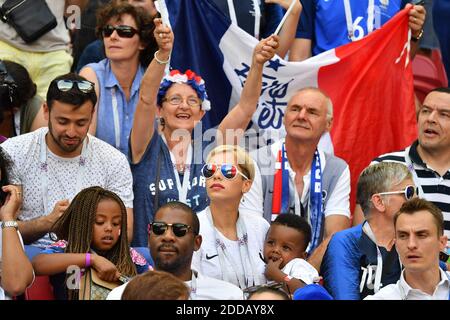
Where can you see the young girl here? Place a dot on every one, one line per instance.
(91, 236)
(285, 252)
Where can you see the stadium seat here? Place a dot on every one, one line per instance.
(40, 290)
(429, 73)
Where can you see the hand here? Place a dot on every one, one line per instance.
(106, 270)
(12, 203)
(416, 19)
(286, 3)
(265, 49)
(59, 209)
(163, 36)
(273, 271)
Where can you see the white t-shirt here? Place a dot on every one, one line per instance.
(103, 166)
(206, 259)
(206, 289)
(301, 269)
(402, 291)
(337, 203)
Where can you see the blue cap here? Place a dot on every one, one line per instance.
(312, 292)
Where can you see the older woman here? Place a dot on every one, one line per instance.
(233, 242)
(166, 165)
(126, 31)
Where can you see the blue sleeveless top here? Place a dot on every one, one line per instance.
(144, 183)
(110, 90)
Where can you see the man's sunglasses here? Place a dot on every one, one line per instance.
(178, 229)
(228, 171)
(409, 192)
(122, 31)
(84, 86)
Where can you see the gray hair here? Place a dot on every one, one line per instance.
(380, 177)
(328, 102)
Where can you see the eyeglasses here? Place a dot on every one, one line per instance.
(228, 171)
(178, 229)
(409, 192)
(177, 100)
(122, 31)
(84, 86)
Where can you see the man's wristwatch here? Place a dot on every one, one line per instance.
(10, 224)
(415, 39)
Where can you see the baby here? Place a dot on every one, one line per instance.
(285, 252)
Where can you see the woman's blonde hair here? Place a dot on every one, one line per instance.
(243, 159)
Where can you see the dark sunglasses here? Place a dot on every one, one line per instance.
(409, 192)
(84, 86)
(178, 229)
(122, 31)
(228, 171)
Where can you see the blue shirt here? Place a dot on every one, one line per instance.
(324, 21)
(144, 186)
(441, 13)
(125, 109)
(348, 252)
(271, 15)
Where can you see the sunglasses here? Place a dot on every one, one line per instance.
(228, 171)
(178, 229)
(409, 192)
(84, 86)
(122, 31)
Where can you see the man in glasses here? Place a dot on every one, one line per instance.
(361, 260)
(419, 238)
(429, 156)
(53, 164)
(173, 238)
(292, 176)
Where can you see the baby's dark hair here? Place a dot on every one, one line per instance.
(296, 222)
(76, 227)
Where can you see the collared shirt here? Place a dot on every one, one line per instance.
(433, 187)
(403, 291)
(112, 96)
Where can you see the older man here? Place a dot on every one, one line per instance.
(293, 176)
(360, 260)
(419, 238)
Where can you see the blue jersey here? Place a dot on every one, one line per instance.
(325, 23)
(271, 15)
(145, 173)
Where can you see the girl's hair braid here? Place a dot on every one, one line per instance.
(76, 227)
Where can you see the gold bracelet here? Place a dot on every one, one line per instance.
(160, 61)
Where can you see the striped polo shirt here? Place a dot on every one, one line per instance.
(432, 186)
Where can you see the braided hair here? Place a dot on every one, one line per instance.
(76, 227)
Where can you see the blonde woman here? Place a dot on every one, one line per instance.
(232, 241)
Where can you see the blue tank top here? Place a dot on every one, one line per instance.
(144, 183)
(111, 94)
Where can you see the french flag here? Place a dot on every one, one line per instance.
(369, 81)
